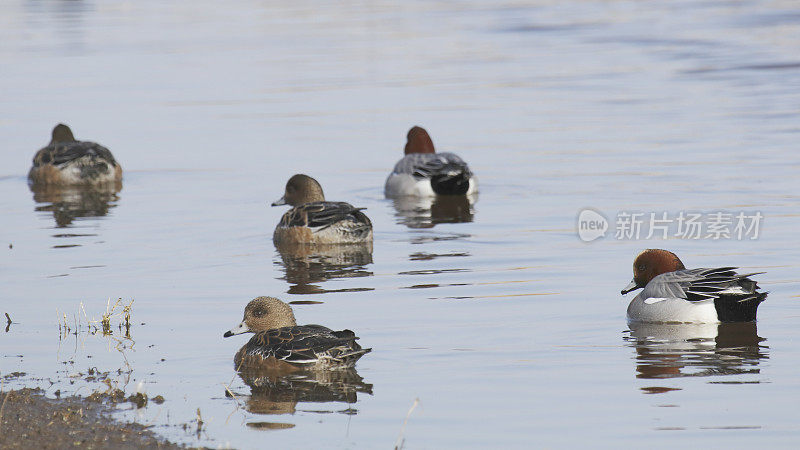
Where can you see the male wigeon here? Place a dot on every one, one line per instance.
(312, 220)
(65, 161)
(673, 293)
(280, 343)
(423, 172)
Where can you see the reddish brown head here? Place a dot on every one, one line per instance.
(651, 263)
(419, 141)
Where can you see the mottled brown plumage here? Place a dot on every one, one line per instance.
(312, 220)
(278, 340)
(67, 162)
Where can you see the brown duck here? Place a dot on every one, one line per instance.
(280, 343)
(69, 162)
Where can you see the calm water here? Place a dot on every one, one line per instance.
(508, 328)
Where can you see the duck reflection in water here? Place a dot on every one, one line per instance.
(275, 393)
(695, 350)
(427, 212)
(68, 203)
(306, 265)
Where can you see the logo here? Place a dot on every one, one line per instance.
(591, 225)
(714, 225)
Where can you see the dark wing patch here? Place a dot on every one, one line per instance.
(439, 164)
(324, 214)
(449, 174)
(299, 343)
(712, 284)
(65, 152)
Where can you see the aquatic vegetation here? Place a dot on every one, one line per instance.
(90, 325)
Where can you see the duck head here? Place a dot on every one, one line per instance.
(419, 141)
(62, 133)
(651, 263)
(301, 189)
(262, 314)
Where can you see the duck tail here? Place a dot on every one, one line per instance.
(350, 351)
(451, 179)
(349, 358)
(738, 308)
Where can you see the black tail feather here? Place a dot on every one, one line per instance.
(734, 308)
(452, 179)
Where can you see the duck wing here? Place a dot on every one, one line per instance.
(448, 173)
(426, 165)
(64, 152)
(301, 344)
(703, 284)
(320, 215)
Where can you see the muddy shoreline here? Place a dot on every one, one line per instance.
(28, 419)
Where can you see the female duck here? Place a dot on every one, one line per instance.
(425, 173)
(673, 293)
(280, 343)
(312, 220)
(66, 161)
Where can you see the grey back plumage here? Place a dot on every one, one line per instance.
(701, 284)
(425, 165)
(448, 174)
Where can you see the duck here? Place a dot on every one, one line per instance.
(673, 293)
(312, 220)
(66, 161)
(424, 173)
(279, 343)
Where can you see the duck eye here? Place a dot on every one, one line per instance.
(641, 268)
(259, 312)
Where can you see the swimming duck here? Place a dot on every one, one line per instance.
(423, 172)
(312, 220)
(279, 341)
(673, 293)
(65, 161)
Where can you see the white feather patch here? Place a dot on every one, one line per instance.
(651, 300)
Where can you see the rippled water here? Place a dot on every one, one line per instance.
(507, 328)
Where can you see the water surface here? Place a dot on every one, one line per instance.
(507, 328)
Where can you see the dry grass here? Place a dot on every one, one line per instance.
(118, 314)
(401, 440)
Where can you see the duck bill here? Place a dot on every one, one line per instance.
(238, 329)
(631, 287)
(280, 201)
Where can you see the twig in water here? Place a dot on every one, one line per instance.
(199, 423)
(400, 439)
(235, 399)
(230, 392)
